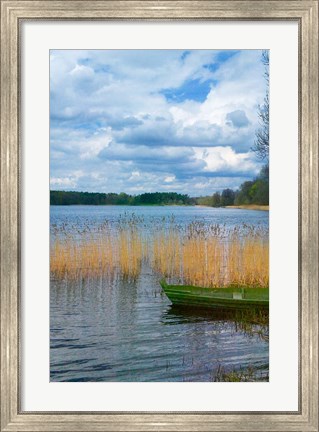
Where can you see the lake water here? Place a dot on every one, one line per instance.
(95, 215)
(105, 329)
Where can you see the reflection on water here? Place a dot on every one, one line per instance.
(81, 216)
(117, 330)
(104, 329)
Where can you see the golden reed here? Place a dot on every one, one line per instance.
(207, 256)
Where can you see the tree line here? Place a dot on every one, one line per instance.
(250, 192)
(95, 198)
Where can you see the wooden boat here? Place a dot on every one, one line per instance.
(222, 298)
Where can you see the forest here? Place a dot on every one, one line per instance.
(250, 192)
(95, 198)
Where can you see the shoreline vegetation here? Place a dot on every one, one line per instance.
(250, 193)
(250, 207)
(197, 254)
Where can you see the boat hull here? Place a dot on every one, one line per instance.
(220, 298)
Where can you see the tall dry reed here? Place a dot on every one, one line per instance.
(199, 254)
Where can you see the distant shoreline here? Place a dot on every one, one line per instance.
(240, 207)
(250, 207)
(219, 200)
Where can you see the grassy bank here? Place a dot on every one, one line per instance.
(250, 207)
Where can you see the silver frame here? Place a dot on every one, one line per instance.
(305, 12)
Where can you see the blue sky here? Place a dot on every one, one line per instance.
(153, 120)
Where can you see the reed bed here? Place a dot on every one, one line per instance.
(94, 253)
(198, 254)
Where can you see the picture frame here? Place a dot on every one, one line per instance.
(12, 14)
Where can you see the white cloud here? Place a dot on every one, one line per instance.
(82, 71)
(92, 147)
(63, 181)
(227, 160)
(135, 175)
(111, 120)
(169, 179)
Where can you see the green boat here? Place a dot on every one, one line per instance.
(221, 298)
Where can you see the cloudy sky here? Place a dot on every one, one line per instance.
(153, 120)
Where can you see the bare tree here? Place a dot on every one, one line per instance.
(261, 144)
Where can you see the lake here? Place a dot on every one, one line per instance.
(115, 329)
